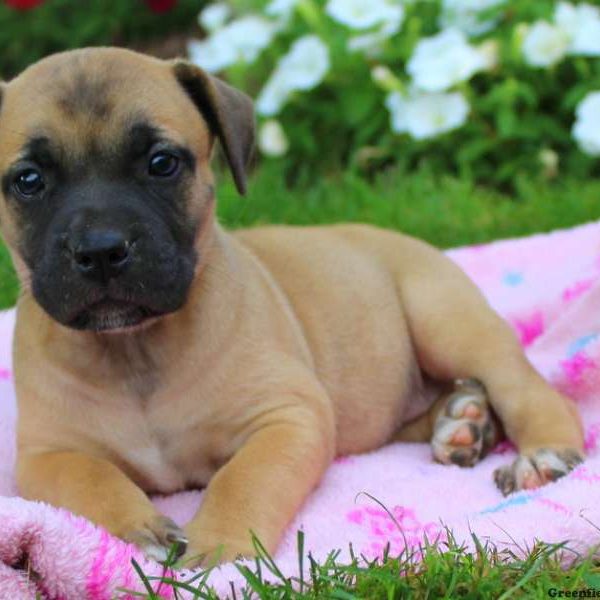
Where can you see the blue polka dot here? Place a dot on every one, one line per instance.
(513, 278)
(580, 343)
(517, 500)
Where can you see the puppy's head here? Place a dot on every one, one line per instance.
(106, 189)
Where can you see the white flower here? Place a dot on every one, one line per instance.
(302, 68)
(586, 129)
(273, 96)
(383, 76)
(545, 44)
(362, 14)
(249, 35)
(306, 64)
(424, 116)
(282, 9)
(272, 140)
(211, 54)
(549, 160)
(466, 15)
(239, 41)
(489, 51)
(371, 43)
(582, 24)
(214, 16)
(440, 61)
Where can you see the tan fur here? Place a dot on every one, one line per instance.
(296, 344)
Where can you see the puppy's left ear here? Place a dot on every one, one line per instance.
(228, 112)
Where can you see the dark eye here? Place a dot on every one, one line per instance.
(163, 164)
(29, 182)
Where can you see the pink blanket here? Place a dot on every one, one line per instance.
(546, 286)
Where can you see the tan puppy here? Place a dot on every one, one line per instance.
(155, 352)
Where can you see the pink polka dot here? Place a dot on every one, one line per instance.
(576, 290)
(529, 329)
(591, 437)
(574, 369)
(400, 528)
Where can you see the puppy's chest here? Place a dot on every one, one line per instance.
(164, 430)
(166, 453)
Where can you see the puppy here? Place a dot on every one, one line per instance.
(155, 352)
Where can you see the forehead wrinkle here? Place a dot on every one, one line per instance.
(95, 143)
(151, 124)
(52, 148)
(180, 129)
(134, 97)
(82, 140)
(169, 109)
(85, 91)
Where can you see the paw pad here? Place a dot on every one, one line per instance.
(465, 429)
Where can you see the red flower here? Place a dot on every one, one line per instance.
(23, 4)
(161, 6)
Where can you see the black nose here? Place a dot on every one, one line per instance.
(101, 254)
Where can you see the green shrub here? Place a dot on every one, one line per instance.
(495, 97)
(55, 25)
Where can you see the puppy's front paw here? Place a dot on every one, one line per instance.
(159, 538)
(465, 429)
(208, 549)
(533, 470)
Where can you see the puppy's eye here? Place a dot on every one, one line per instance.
(163, 164)
(29, 182)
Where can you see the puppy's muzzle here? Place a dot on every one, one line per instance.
(101, 253)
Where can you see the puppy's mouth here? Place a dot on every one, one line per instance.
(113, 316)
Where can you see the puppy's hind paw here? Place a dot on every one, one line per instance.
(465, 429)
(533, 470)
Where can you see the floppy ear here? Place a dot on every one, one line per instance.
(228, 112)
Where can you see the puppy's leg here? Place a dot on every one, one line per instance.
(457, 335)
(100, 491)
(261, 488)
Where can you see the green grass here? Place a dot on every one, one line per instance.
(447, 212)
(8, 279)
(441, 209)
(445, 570)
